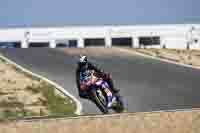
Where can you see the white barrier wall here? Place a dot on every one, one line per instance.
(176, 42)
(11, 35)
(172, 36)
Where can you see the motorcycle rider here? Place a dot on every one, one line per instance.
(82, 74)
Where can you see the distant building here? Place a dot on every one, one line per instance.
(150, 36)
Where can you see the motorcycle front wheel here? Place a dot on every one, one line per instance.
(99, 102)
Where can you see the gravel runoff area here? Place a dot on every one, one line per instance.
(187, 121)
(187, 57)
(23, 95)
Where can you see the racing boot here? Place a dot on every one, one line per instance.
(113, 89)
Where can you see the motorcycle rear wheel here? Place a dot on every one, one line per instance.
(119, 108)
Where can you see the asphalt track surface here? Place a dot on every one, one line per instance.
(146, 84)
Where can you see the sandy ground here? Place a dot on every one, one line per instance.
(95, 52)
(189, 57)
(14, 94)
(152, 122)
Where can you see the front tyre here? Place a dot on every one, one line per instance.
(96, 98)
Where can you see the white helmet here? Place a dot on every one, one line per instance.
(83, 59)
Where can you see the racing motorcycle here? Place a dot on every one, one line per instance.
(101, 94)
